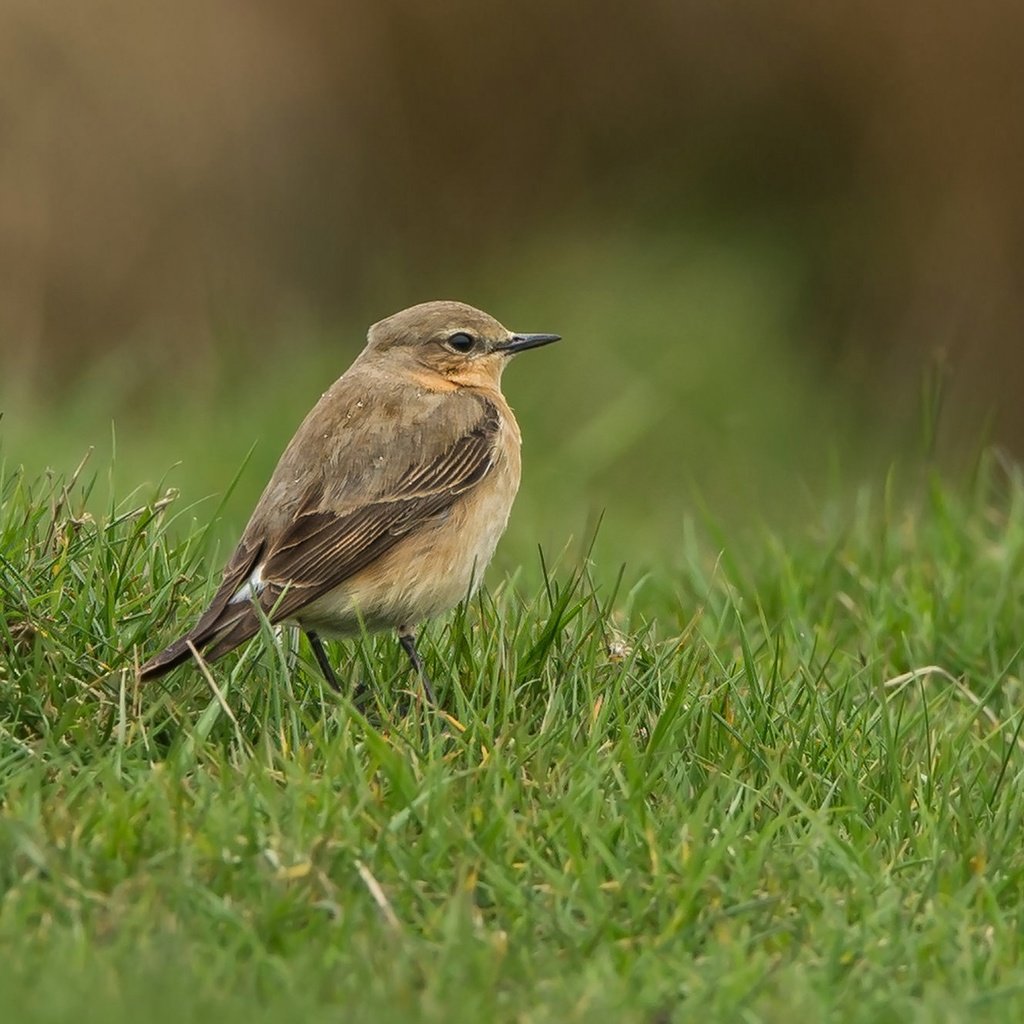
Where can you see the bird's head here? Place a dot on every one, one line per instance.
(447, 345)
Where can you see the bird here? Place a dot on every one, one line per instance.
(387, 504)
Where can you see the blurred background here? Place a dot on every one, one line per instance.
(763, 229)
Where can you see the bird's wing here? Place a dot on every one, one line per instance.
(332, 531)
(322, 548)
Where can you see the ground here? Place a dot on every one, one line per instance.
(766, 781)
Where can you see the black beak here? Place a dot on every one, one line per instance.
(521, 342)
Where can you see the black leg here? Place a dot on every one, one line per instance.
(408, 642)
(321, 659)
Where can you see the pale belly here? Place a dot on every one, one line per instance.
(429, 572)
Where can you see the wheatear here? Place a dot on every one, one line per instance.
(389, 500)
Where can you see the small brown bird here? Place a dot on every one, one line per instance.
(389, 500)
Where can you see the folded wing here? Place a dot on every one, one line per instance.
(287, 564)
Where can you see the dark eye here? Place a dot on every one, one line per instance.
(461, 342)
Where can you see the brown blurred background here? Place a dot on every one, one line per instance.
(182, 181)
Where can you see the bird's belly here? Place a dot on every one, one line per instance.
(427, 573)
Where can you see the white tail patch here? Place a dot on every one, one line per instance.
(251, 588)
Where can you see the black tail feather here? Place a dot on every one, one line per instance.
(212, 639)
(169, 658)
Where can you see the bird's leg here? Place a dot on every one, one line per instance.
(408, 642)
(321, 659)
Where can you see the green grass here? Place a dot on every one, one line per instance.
(769, 781)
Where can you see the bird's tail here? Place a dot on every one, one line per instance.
(226, 623)
(213, 636)
(170, 657)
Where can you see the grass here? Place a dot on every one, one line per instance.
(771, 780)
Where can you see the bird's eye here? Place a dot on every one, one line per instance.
(461, 342)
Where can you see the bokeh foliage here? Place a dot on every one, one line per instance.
(191, 197)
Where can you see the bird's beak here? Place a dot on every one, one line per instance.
(521, 342)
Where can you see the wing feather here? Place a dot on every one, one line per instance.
(318, 547)
(321, 549)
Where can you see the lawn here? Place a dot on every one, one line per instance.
(776, 777)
